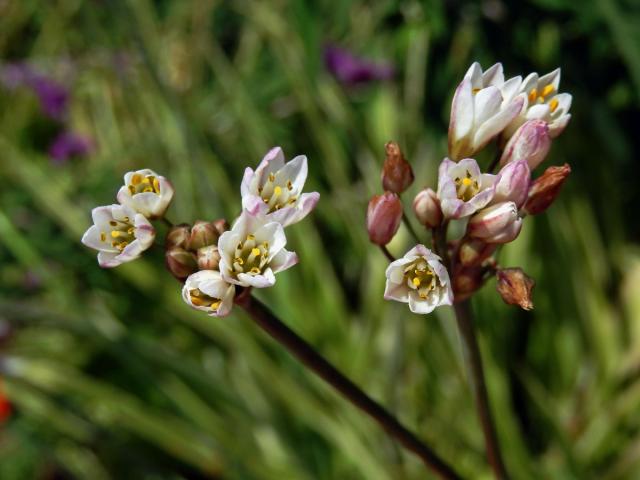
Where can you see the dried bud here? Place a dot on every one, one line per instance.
(177, 236)
(203, 234)
(531, 142)
(474, 251)
(397, 174)
(180, 262)
(466, 281)
(515, 286)
(383, 217)
(495, 223)
(546, 188)
(208, 258)
(426, 206)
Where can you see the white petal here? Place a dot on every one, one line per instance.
(461, 122)
(496, 124)
(486, 104)
(108, 259)
(493, 76)
(283, 260)
(296, 171)
(246, 182)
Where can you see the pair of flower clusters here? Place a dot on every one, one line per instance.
(523, 116)
(213, 261)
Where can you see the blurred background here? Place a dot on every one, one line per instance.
(107, 374)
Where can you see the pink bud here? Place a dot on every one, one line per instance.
(531, 142)
(202, 234)
(208, 257)
(383, 217)
(397, 174)
(515, 287)
(177, 236)
(546, 188)
(513, 183)
(466, 281)
(493, 221)
(426, 206)
(474, 251)
(180, 262)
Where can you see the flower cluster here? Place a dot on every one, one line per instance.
(523, 117)
(214, 262)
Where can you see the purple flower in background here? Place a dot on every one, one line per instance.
(351, 70)
(14, 75)
(69, 144)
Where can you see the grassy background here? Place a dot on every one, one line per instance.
(112, 376)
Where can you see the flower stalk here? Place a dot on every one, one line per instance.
(304, 352)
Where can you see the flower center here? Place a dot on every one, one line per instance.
(277, 193)
(534, 96)
(466, 187)
(120, 235)
(200, 299)
(250, 257)
(421, 277)
(140, 183)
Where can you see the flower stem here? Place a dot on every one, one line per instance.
(387, 253)
(407, 223)
(298, 347)
(473, 359)
(167, 222)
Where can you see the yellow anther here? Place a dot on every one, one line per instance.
(126, 219)
(475, 90)
(547, 90)
(277, 191)
(292, 200)
(265, 245)
(533, 94)
(466, 182)
(553, 104)
(216, 305)
(146, 180)
(272, 177)
(266, 200)
(131, 230)
(239, 261)
(156, 185)
(416, 281)
(289, 185)
(251, 237)
(115, 233)
(147, 189)
(255, 270)
(103, 237)
(239, 247)
(423, 295)
(136, 179)
(113, 223)
(132, 189)
(255, 252)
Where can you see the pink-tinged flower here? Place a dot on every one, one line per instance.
(496, 224)
(531, 142)
(274, 189)
(513, 183)
(351, 70)
(419, 279)
(146, 192)
(207, 291)
(119, 234)
(479, 112)
(253, 251)
(542, 101)
(68, 145)
(426, 206)
(462, 188)
(384, 215)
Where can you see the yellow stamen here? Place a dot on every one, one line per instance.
(156, 185)
(113, 223)
(132, 189)
(255, 270)
(147, 189)
(533, 94)
(416, 281)
(239, 261)
(251, 237)
(103, 237)
(115, 233)
(547, 90)
(216, 305)
(255, 251)
(277, 191)
(272, 177)
(466, 182)
(136, 179)
(475, 90)
(289, 185)
(553, 104)
(131, 230)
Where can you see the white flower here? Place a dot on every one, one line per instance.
(462, 188)
(119, 234)
(542, 101)
(479, 110)
(146, 192)
(207, 291)
(253, 251)
(275, 189)
(419, 279)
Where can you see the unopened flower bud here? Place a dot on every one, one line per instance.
(208, 258)
(384, 215)
(426, 206)
(474, 251)
(466, 281)
(531, 142)
(515, 287)
(493, 221)
(546, 188)
(180, 262)
(202, 234)
(177, 236)
(220, 225)
(513, 183)
(397, 174)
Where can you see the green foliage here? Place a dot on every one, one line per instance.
(112, 376)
